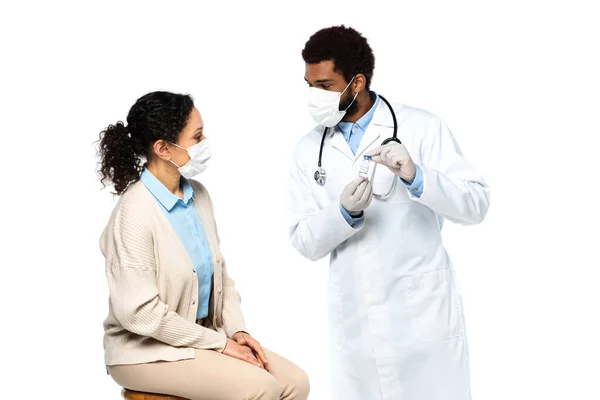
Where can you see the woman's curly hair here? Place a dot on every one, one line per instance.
(155, 116)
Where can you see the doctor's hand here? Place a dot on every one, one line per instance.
(244, 353)
(357, 196)
(395, 156)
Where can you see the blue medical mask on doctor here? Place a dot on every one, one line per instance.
(324, 105)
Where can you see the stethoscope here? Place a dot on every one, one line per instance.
(320, 174)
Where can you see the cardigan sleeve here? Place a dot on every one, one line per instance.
(233, 318)
(128, 246)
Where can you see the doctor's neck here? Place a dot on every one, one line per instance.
(364, 102)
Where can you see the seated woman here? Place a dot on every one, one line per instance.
(174, 324)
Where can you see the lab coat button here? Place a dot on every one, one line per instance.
(194, 270)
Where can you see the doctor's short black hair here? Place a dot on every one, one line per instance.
(346, 47)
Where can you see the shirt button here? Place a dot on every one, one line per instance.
(415, 190)
(193, 303)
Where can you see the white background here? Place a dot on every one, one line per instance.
(517, 82)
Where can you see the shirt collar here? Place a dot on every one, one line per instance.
(164, 195)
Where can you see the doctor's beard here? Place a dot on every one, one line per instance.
(346, 102)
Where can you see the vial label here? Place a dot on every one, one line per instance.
(367, 168)
(364, 169)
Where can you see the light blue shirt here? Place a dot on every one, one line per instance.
(186, 223)
(353, 133)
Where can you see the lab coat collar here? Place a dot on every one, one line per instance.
(373, 133)
(339, 142)
(383, 116)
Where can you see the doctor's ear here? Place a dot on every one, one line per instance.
(360, 82)
(162, 149)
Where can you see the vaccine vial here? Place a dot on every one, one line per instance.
(367, 168)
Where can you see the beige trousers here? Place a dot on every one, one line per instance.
(215, 376)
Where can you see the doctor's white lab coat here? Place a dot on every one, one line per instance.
(396, 320)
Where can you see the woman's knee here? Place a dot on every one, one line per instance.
(297, 385)
(263, 387)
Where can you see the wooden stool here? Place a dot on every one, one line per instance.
(133, 395)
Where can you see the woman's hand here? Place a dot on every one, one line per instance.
(244, 339)
(244, 353)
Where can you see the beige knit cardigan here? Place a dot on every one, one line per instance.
(153, 286)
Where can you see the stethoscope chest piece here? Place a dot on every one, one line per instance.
(321, 176)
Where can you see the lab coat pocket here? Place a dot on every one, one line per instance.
(435, 312)
(337, 337)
